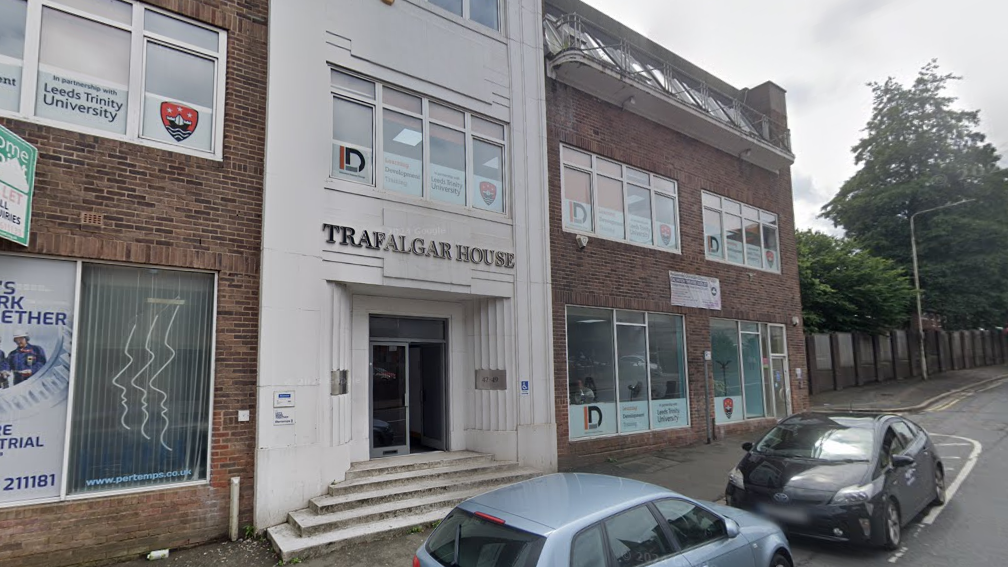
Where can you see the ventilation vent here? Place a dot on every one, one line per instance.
(92, 219)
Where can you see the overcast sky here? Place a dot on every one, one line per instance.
(823, 53)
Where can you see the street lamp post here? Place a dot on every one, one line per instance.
(913, 250)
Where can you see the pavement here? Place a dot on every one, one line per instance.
(908, 394)
(699, 471)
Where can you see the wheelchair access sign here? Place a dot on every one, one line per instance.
(17, 182)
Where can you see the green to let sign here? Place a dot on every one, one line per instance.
(17, 182)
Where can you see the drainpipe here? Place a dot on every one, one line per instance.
(706, 388)
(233, 528)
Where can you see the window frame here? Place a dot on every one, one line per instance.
(653, 189)
(616, 378)
(64, 495)
(758, 217)
(467, 15)
(674, 547)
(140, 38)
(378, 108)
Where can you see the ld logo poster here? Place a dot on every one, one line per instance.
(36, 339)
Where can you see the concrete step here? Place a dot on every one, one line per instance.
(288, 544)
(370, 483)
(330, 504)
(308, 523)
(405, 463)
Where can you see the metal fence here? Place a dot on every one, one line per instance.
(842, 360)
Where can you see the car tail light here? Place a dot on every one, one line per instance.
(489, 518)
(416, 561)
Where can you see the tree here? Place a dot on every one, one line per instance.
(847, 289)
(920, 152)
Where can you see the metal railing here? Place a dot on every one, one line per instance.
(573, 33)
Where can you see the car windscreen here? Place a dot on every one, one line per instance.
(482, 543)
(825, 441)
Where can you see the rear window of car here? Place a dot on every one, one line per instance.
(482, 543)
(819, 440)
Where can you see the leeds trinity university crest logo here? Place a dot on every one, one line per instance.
(489, 192)
(729, 407)
(666, 234)
(179, 120)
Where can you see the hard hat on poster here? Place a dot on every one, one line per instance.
(20, 333)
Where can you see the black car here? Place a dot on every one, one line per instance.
(840, 476)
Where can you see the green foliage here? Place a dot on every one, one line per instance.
(919, 152)
(847, 289)
(250, 531)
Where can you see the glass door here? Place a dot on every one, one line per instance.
(779, 372)
(389, 399)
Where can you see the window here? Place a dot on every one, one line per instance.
(691, 525)
(482, 542)
(140, 413)
(13, 14)
(636, 538)
(749, 379)
(617, 202)
(426, 149)
(740, 234)
(904, 433)
(588, 550)
(626, 370)
(93, 55)
(485, 12)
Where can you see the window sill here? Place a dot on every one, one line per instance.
(490, 33)
(142, 142)
(676, 250)
(743, 266)
(401, 198)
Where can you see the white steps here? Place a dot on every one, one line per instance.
(386, 497)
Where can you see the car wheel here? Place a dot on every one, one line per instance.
(939, 487)
(893, 525)
(780, 560)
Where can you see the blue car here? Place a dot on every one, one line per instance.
(588, 520)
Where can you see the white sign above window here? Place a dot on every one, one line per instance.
(695, 291)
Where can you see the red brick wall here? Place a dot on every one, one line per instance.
(619, 275)
(171, 210)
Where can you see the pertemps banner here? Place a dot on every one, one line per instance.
(36, 339)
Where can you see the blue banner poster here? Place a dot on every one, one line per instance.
(36, 338)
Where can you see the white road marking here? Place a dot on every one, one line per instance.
(895, 557)
(953, 444)
(947, 458)
(950, 492)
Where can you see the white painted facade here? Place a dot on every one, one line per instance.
(317, 296)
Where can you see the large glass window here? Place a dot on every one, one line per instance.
(691, 525)
(428, 150)
(750, 375)
(626, 370)
(632, 205)
(12, 38)
(727, 370)
(591, 371)
(740, 234)
(141, 410)
(92, 54)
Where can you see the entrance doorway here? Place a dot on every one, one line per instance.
(408, 386)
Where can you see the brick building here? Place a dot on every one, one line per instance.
(672, 234)
(135, 302)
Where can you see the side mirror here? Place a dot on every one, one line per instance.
(731, 528)
(900, 461)
(747, 446)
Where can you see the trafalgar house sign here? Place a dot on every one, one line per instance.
(398, 243)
